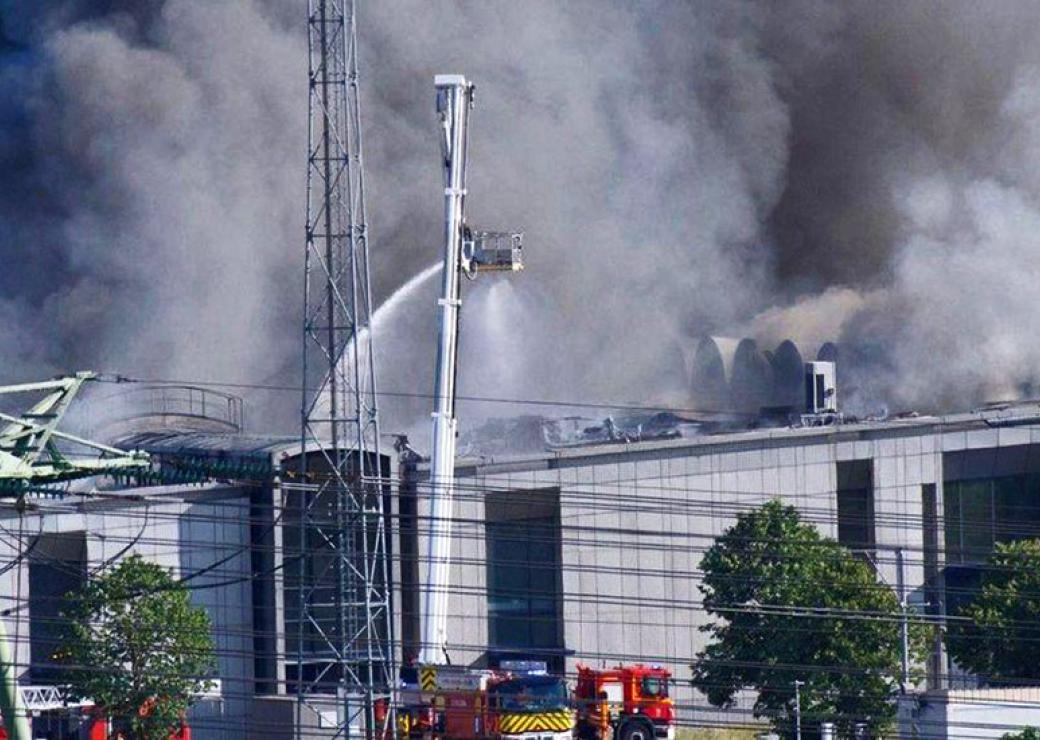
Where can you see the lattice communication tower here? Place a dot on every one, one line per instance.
(340, 585)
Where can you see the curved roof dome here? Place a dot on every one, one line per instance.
(788, 375)
(712, 366)
(751, 380)
(828, 352)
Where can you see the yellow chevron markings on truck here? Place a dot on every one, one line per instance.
(404, 723)
(514, 724)
(428, 678)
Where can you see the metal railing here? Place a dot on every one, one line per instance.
(169, 401)
(42, 698)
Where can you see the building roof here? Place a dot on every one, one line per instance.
(1026, 413)
(210, 444)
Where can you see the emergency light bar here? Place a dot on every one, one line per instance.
(531, 667)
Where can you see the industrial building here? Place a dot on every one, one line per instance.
(211, 509)
(590, 553)
(582, 553)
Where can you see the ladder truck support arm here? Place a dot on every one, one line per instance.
(469, 252)
(454, 98)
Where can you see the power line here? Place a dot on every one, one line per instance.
(621, 406)
(592, 518)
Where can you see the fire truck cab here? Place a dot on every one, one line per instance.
(530, 706)
(517, 702)
(626, 703)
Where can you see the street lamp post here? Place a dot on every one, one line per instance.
(798, 709)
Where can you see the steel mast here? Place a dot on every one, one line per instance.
(469, 252)
(344, 636)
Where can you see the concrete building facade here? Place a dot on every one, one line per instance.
(597, 549)
(53, 546)
(585, 554)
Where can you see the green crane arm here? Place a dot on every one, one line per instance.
(29, 454)
(29, 457)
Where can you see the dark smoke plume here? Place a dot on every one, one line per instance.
(866, 172)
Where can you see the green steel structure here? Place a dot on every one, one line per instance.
(34, 454)
(34, 457)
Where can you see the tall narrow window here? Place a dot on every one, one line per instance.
(856, 504)
(523, 570)
(57, 568)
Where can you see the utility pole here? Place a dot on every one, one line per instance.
(904, 625)
(798, 709)
(341, 616)
(15, 721)
(469, 252)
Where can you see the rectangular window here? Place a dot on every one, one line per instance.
(312, 532)
(523, 570)
(57, 568)
(983, 512)
(933, 592)
(929, 519)
(977, 519)
(856, 504)
(1029, 513)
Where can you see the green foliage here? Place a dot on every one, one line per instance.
(1028, 733)
(137, 648)
(710, 733)
(775, 584)
(1002, 639)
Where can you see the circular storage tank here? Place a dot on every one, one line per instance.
(162, 408)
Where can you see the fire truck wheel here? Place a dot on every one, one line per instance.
(636, 730)
(586, 731)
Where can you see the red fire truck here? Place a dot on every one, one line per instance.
(512, 703)
(99, 727)
(626, 703)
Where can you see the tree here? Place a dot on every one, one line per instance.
(792, 605)
(137, 648)
(1027, 733)
(1000, 639)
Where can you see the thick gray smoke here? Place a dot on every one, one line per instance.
(154, 191)
(867, 171)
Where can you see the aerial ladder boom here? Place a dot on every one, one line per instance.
(465, 252)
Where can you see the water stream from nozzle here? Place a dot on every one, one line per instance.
(382, 315)
(400, 296)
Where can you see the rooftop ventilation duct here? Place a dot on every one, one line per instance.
(821, 388)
